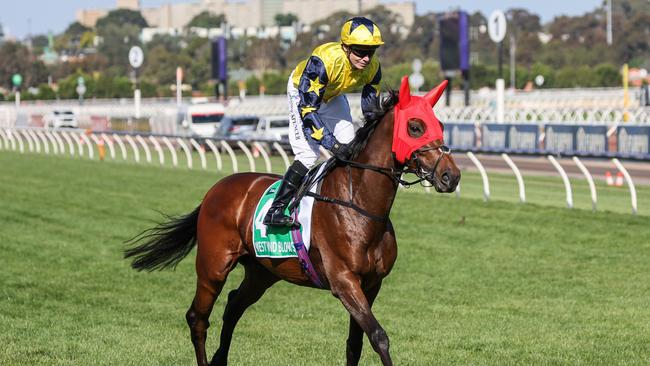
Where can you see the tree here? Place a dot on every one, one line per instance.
(206, 19)
(16, 59)
(283, 20)
(121, 17)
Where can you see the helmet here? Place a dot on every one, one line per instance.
(360, 31)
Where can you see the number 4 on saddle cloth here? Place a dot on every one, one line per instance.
(281, 241)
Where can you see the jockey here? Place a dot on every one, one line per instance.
(319, 112)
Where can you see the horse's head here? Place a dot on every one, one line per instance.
(418, 139)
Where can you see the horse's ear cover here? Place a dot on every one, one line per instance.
(414, 107)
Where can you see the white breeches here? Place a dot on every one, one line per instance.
(335, 115)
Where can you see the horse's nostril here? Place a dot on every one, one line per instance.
(445, 178)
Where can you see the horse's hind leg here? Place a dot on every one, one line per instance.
(354, 343)
(256, 280)
(211, 276)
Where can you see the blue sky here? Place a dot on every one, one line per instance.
(20, 17)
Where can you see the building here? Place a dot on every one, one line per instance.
(250, 13)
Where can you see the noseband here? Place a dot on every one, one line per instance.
(421, 172)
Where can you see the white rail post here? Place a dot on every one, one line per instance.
(5, 141)
(481, 169)
(55, 145)
(171, 149)
(265, 156)
(249, 155)
(134, 147)
(565, 179)
(159, 150)
(21, 145)
(109, 143)
(77, 140)
(43, 138)
(12, 139)
(91, 150)
(186, 149)
(30, 144)
(630, 184)
(37, 141)
(198, 148)
(590, 181)
(117, 138)
(520, 179)
(59, 140)
(68, 141)
(215, 151)
(233, 157)
(145, 147)
(283, 154)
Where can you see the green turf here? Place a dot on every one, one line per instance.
(475, 283)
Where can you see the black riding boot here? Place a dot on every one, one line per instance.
(290, 183)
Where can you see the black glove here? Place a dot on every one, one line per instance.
(341, 151)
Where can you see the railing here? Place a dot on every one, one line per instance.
(93, 145)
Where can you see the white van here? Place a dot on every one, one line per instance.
(202, 120)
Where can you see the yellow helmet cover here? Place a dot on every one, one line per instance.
(362, 32)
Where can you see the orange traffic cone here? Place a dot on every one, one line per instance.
(608, 178)
(619, 179)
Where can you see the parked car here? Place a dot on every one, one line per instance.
(202, 120)
(273, 128)
(238, 127)
(60, 118)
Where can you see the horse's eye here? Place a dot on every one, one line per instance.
(415, 129)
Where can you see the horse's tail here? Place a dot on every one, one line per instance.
(165, 245)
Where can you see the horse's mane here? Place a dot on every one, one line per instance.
(372, 119)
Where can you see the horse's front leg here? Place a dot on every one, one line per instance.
(355, 337)
(347, 287)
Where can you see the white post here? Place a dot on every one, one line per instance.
(17, 101)
(283, 154)
(109, 143)
(134, 147)
(590, 181)
(233, 157)
(179, 85)
(265, 156)
(215, 151)
(188, 153)
(481, 169)
(198, 148)
(159, 150)
(145, 147)
(136, 98)
(246, 150)
(121, 145)
(501, 84)
(171, 150)
(68, 141)
(630, 184)
(565, 179)
(520, 179)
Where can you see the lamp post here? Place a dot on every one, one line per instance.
(609, 22)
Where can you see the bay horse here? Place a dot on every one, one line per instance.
(352, 249)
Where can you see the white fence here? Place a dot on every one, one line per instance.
(145, 148)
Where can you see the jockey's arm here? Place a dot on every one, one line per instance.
(311, 89)
(370, 95)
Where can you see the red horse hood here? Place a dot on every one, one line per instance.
(414, 107)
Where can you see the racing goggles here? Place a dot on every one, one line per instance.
(363, 52)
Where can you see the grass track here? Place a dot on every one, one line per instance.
(514, 284)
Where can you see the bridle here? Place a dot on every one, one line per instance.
(395, 174)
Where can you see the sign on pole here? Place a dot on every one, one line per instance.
(136, 56)
(497, 26)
